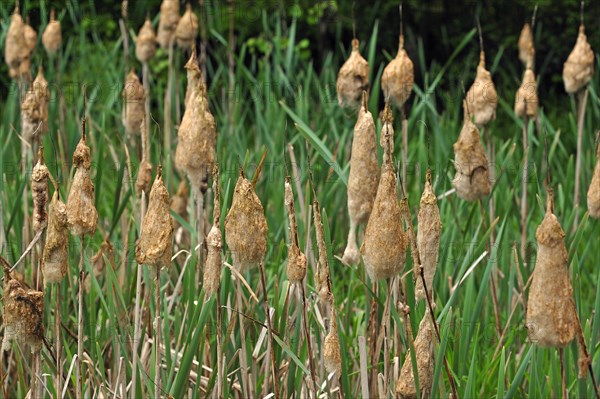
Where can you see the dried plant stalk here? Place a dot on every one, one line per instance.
(332, 358)
(579, 66)
(195, 153)
(482, 97)
(145, 46)
(363, 179)
(353, 78)
(472, 180)
(81, 212)
(296, 263)
(526, 45)
(429, 231)
(187, 28)
(526, 100)
(214, 242)
(133, 103)
(246, 215)
(169, 17)
(398, 77)
(593, 195)
(424, 353)
(22, 314)
(39, 192)
(551, 314)
(56, 255)
(384, 247)
(323, 276)
(155, 245)
(52, 36)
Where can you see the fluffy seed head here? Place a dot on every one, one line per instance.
(214, 242)
(169, 17)
(353, 79)
(579, 66)
(322, 277)
(526, 45)
(133, 103)
(482, 97)
(56, 255)
(15, 48)
(526, 100)
(39, 192)
(187, 28)
(52, 36)
(332, 357)
(145, 46)
(398, 77)
(81, 212)
(593, 195)
(144, 177)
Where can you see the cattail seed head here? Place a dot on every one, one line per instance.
(145, 46)
(424, 353)
(195, 153)
(428, 238)
(482, 97)
(398, 77)
(39, 192)
(40, 87)
(551, 315)
(593, 195)
(384, 247)
(246, 215)
(52, 36)
(169, 17)
(56, 255)
(155, 245)
(22, 314)
(353, 78)
(296, 263)
(332, 357)
(472, 180)
(526, 45)
(144, 177)
(30, 36)
(579, 66)
(133, 103)
(526, 100)
(81, 212)
(322, 277)
(15, 48)
(214, 242)
(187, 28)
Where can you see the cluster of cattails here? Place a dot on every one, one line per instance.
(363, 179)
(353, 79)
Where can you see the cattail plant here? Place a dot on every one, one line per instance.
(352, 79)
(429, 231)
(323, 276)
(425, 356)
(332, 357)
(169, 17)
(526, 44)
(187, 28)
(133, 103)
(472, 180)
(363, 179)
(52, 36)
(593, 195)
(577, 73)
(15, 46)
(39, 192)
(56, 255)
(482, 97)
(246, 214)
(384, 246)
(214, 242)
(296, 263)
(145, 46)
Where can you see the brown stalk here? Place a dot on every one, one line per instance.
(581, 105)
(269, 329)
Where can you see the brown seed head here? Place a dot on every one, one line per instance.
(526, 100)
(81, 212)
(56, 256)
(322, 277)
(144, 177)
(15, 47)
(214, 242)
(593, 195)
(398, 77)
(296, 263)
(133, 103)
(482, 97)
(169, 17)
(52, 36)
(187, 28)
(579, 66)
(526, 45)
(145, 46)
(353, 79)
(332, 357)
(39, 192)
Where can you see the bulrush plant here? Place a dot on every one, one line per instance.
(471, 181)
(133, 103)
(39, 192)
(296, 262)
(525, 44)
(145, 46)
(482, 97)
(15, 47)
(577, 74)
(593, 194)
(332, 354)
(384, 246)
(169, 17)
(425, 357)
(155, 248)
(214, 243)
(352, 79)
(52, 36)
(363, 179)
(56, 250)
(187, 28)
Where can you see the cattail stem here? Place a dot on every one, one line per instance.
(524, 187)
(563, 378)
(219, 344)
(311, 365)
(404, 146)
(270, 331)
(145, 135)
(58, 341)
(157, 332)
(231, 66)
(167, 114)
(79, 366)
(199, 226)
(581, 105)
(243, 359)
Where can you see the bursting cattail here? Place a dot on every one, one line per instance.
(15, 48)
(332, 355)
(52, 36)
(384, 247)
(145, 46)
(429, 231)
(214, 243)
(42, 93)
(322, 277)
(424, 353)
(81, 212)
(579, 66)
(39, 192)
(56, 255)
(155, 245)
(195, 153)
(187, 28)
(296, 262)
(472, 180)
(398, 77)
(593, 195)
(246, 215)
(353, 79)
(133, 103)
(526, 45)
(482, 97)
(551, 315)
(144, 177)
(526, 100)
(363, 179)
(31, 116)
(22, 314)
(169, 17)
